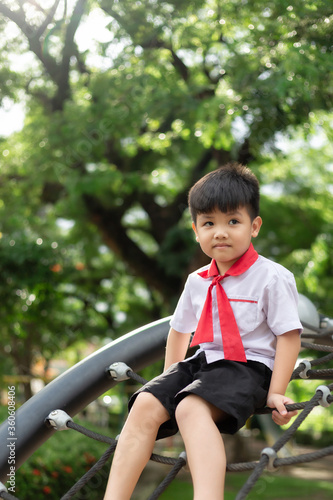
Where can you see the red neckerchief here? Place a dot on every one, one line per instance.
(232, 343)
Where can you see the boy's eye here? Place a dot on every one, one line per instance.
(208, 223)
(232, 222)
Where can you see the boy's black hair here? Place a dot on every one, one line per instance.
(225, 189)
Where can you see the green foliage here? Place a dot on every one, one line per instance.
(317, 428)
(59, 464)
(117, 129)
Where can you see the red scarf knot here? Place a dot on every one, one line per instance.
(232, 343)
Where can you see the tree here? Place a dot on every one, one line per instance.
(119, 131)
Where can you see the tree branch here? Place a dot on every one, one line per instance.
(152, 42)
(108, 222)
(179, 65)
(69, 50)
(58, 72)
(17, 17)
(48, 18)
(35, 4)
(163, 218)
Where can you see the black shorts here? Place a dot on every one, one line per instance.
(236, 388)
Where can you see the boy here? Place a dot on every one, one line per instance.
(243, 309)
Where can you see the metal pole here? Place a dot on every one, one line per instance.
(76, 388)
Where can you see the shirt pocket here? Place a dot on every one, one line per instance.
(245, 310)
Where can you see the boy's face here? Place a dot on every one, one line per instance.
(225, 237)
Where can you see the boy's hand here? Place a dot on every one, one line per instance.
(280, 415)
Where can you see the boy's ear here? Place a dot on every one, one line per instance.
(195, 230)
(256, 225)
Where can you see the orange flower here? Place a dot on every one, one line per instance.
(36, 472)
(79, 266)
(55, 474)
(47, 490)
(68, 469)
(56, 268)
(89, 458)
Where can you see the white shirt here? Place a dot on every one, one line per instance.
(264, 301)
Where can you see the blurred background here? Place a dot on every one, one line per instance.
(109, 112)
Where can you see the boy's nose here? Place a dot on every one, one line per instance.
(221, 232)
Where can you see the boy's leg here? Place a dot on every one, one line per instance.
(204, 446)
(135, 446)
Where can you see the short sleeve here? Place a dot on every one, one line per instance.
(184, 319)
(282, 304)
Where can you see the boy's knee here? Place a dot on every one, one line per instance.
(194, 407)
(185, 409)
(148, 406)
(145, 400)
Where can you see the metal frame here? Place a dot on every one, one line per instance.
(77, 387)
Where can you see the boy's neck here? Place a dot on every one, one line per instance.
(223, 268)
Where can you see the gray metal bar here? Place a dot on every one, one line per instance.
(76, 388)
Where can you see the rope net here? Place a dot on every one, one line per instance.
(268, 459)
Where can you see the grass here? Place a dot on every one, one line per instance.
(268, 487)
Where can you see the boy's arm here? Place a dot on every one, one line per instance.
(287, 349)
(176, 347)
